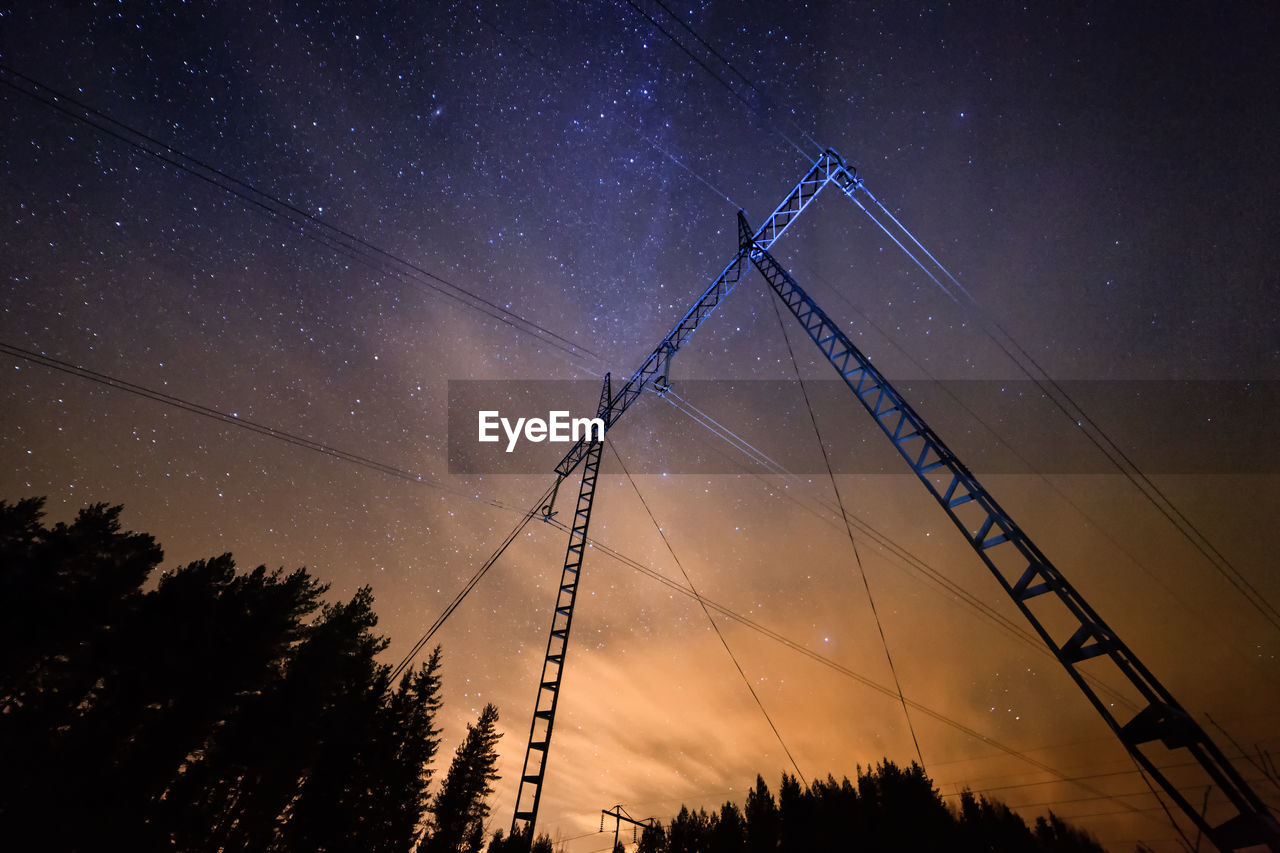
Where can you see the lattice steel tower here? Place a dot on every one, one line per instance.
(1037, 588)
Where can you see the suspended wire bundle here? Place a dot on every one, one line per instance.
(1078, 417)
(331, 236)
(954, 592)
(707, 612)
(475, 579)
(765, 106)
(853, 544)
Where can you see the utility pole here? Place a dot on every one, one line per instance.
(620, 816)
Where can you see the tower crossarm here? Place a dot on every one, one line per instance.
(828, 167)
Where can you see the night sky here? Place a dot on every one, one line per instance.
(1102, 179)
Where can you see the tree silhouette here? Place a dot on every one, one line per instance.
(689, 832)
(889, 809)
(764, 825)
(519, 841)
(460, 808)
(729, 834)
(989, 824)
(220, 710)
(1056, 835)
(653, 839)
(68, 587)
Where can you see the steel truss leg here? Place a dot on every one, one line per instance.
(544, 714)
(1026, 575)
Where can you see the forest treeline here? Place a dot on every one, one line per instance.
(887, 809)
(206, 709)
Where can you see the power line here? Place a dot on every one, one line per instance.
(307, 444)
(1069, 407)
(884, 642)
(231, 419)
(786, 642)
(498, 553)
(707, 612)
(1133, 473)
(955, 398)
(721, 431)
(558, 71)
(1092, 637)
(835, 666)
(1113, 774)
(1095, 434)
(907, 557)
(381, 467)
(956, 593)
(768, 103)
(1164, 807)
(1149, 490)
(716, 76)
(374, 465)
(354, 247)
(475, 579)
(1260, 763)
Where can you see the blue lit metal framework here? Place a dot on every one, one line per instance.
(1018, 565)
(828, 168)
(611, 408)
(1026, 574)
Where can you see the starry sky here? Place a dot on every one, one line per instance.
(314, 219)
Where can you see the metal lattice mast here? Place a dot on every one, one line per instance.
(544, 713)
(1027, 576)
(828, 167)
